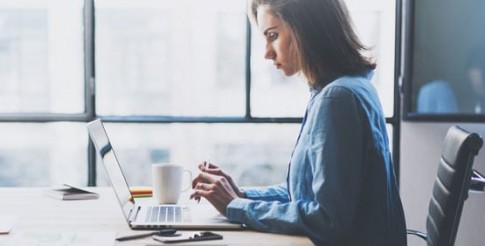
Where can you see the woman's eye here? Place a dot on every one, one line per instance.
(272, 36)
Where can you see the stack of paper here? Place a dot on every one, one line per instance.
(6, 224)
(68, 192)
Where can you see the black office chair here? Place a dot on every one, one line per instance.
(451, 187)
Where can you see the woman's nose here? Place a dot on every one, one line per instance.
(269, 54)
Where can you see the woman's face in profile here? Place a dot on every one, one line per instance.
(279, 46)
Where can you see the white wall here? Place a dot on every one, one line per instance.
(420, 152)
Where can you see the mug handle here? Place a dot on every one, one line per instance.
(190, 179)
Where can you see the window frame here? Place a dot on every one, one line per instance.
(90, 114)
(408, 113)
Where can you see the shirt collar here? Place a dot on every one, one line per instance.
(369, 74)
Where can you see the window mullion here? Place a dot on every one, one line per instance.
(248, 70)
(89, 80)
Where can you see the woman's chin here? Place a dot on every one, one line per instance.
(289, 73)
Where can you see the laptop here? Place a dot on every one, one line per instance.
(151, 216)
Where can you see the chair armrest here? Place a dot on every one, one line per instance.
(422, 235)
(478, 181)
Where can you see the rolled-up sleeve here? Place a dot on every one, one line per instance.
(329, 164)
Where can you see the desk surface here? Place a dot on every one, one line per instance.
(39, 217)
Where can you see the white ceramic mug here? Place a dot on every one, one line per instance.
(167, 182)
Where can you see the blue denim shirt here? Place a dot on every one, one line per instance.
(341, 188)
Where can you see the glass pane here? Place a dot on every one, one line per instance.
(254, 154)
(446, 73)
(41, 56)
(375, 25)
(170, 57)
(272, 93)
(43, 154)
(275, 95)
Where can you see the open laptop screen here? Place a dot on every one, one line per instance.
(111, 165)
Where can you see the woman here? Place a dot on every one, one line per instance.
(341, 188)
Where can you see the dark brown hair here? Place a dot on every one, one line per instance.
(326, 43)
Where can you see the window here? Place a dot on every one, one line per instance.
(374, 23)
(33, 154)
(444, 73)
(250, 152)
(165, 58)
(41, 57)
(170, 81)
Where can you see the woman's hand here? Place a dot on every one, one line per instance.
(216, 186)
(211, 168)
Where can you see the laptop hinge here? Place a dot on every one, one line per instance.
(134, 213)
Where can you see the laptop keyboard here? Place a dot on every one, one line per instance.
(164, 214)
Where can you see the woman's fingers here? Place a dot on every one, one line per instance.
(204, 186)
(217, 171)
(213, 169)
(198, 193)
(219, 193)
(202, 177)
(213, 166)
(204, 166)
(202, 190)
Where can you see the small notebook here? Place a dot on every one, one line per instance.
(69, 192)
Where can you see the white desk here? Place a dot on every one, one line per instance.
(94, 220)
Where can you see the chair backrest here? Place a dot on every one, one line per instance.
(450, 188)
